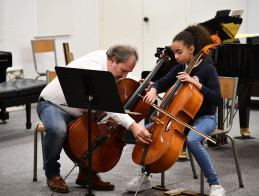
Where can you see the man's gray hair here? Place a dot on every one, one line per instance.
(122, 53)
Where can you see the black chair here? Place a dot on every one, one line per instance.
(17, 92)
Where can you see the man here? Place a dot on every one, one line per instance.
(119, 60)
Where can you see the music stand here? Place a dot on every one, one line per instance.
(92, 90)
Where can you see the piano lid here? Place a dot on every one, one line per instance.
(223, 25)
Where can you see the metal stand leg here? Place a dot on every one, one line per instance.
(163, 179)
(202, 183)
(192, 165)
(28, 116)
(35, 153)
(241, 184)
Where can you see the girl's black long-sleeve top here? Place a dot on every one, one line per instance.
(207, 75)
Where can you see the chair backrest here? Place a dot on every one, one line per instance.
(68, 55)
(51, 76)
(227, 110)
(43, 52)
(227, 86)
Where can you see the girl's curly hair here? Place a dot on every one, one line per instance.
(195, 35)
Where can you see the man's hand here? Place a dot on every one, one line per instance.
(140, 133)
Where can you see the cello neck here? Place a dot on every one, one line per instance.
(134, 98)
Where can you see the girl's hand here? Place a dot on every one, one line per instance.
(150, 97)
(184, 77)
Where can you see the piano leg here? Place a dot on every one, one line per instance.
(2, 74)
(244, 102)
(4, 115)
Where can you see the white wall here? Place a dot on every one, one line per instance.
(18, 26)
(252, 16)
(206, 10)
(202, 11)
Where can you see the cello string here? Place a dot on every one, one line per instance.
(178, 82)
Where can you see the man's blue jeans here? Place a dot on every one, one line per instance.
(55, 121)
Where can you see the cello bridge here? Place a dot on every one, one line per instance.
(112, 124)
(157, 120)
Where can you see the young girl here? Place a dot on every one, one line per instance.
(204, 77)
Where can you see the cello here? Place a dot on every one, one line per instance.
(107, 138)
(179, 105)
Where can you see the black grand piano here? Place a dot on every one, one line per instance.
(241, 60)
(236, 59)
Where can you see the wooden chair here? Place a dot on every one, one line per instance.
(39, 128)
(44, 55)
(226, 113)
(68, 55)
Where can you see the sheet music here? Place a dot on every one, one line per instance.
(237, 13)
